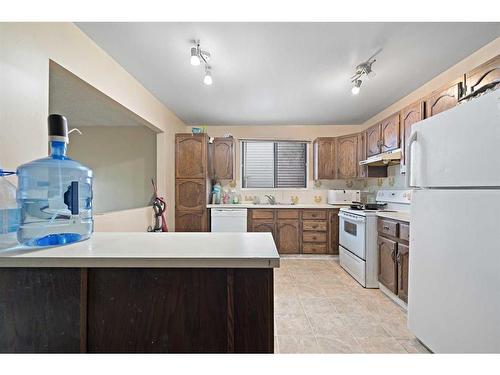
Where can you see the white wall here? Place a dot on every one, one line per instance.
(25, 51)
(123, 159)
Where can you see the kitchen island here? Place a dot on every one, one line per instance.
(142, 293)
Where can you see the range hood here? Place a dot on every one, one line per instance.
(385, 159)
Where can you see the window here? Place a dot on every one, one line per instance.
(274, 164)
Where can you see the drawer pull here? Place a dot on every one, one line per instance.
(386, 227)
(314, 226)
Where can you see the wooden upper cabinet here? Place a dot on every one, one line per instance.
(222, 158)
(443, 99)
(191, 155)
(389, 128)
(325, 163)
(387, 266)
(362, 169)
(288, 236)
(347, 156)
(373, 140)
(190, 195)
(409, 116)
(482, 75)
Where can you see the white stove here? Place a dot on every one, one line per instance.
(358, 250)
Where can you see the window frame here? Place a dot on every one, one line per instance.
(240, 180)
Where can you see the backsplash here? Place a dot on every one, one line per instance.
(317, 193)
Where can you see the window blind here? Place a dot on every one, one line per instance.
(278, 164)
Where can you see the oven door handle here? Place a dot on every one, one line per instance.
(350, 218)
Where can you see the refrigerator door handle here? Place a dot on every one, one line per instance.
(413, 138)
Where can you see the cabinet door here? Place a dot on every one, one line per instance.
(288, 236)
(387, 267)
(334, 231)
(262, 226)
(190, 156)
(373, 140)
(443, 99)
(409, 116)
(403, 263)
(347, 156)
(190, 195)
(190, 221)
(483, 74)
(362, 169)
(223, 154)
(390, 133)
(325, 164)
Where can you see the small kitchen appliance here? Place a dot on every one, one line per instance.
(54, 194)
(358, 251)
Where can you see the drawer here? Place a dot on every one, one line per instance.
(313, 214)
(262, 214)
(387, 227)
(286, 213)
(319, 226)
(314, 237)
(313, 248)
(404, 231)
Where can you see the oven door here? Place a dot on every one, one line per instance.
(352, 233)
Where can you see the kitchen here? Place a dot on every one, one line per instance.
(293, 227)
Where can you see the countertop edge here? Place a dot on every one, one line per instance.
(82, 262)
(400, 216)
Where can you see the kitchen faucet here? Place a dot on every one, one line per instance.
(271, 199)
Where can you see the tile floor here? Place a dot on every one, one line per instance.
(319, 308)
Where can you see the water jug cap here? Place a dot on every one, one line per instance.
(58, 128)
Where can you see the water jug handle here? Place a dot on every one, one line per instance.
(71, 198)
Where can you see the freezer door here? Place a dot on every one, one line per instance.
(458, 147)
(454, 272)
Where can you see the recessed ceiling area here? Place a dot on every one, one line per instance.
(286, 73)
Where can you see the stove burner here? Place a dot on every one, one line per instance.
(368, 206)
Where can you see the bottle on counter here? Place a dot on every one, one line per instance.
(54, 194)
(9, 212)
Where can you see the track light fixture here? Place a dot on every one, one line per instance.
(199, 56)
(363, 69)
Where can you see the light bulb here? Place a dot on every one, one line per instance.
(208, 78)
(356, 88)
(195, 59)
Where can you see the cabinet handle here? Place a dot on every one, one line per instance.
(314, 226)
(393, 255)
(386, 227)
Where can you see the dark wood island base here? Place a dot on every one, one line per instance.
(136, 310)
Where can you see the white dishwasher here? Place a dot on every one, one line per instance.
(229, 220)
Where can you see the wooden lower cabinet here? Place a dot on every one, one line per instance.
(296, 231)
(394, 256)
(387, 267)
(258, 225)
(191, 221)
(334, 232)
(288, 236)
(136, 310)
(403, 259)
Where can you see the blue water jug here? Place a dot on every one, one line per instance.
(54, 194)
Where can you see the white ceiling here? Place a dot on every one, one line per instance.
(83, 105)
(286, 73)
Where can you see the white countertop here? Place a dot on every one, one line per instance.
(398, 215)
(162, 250)
(271, 206)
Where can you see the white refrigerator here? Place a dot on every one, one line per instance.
(454, 269)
